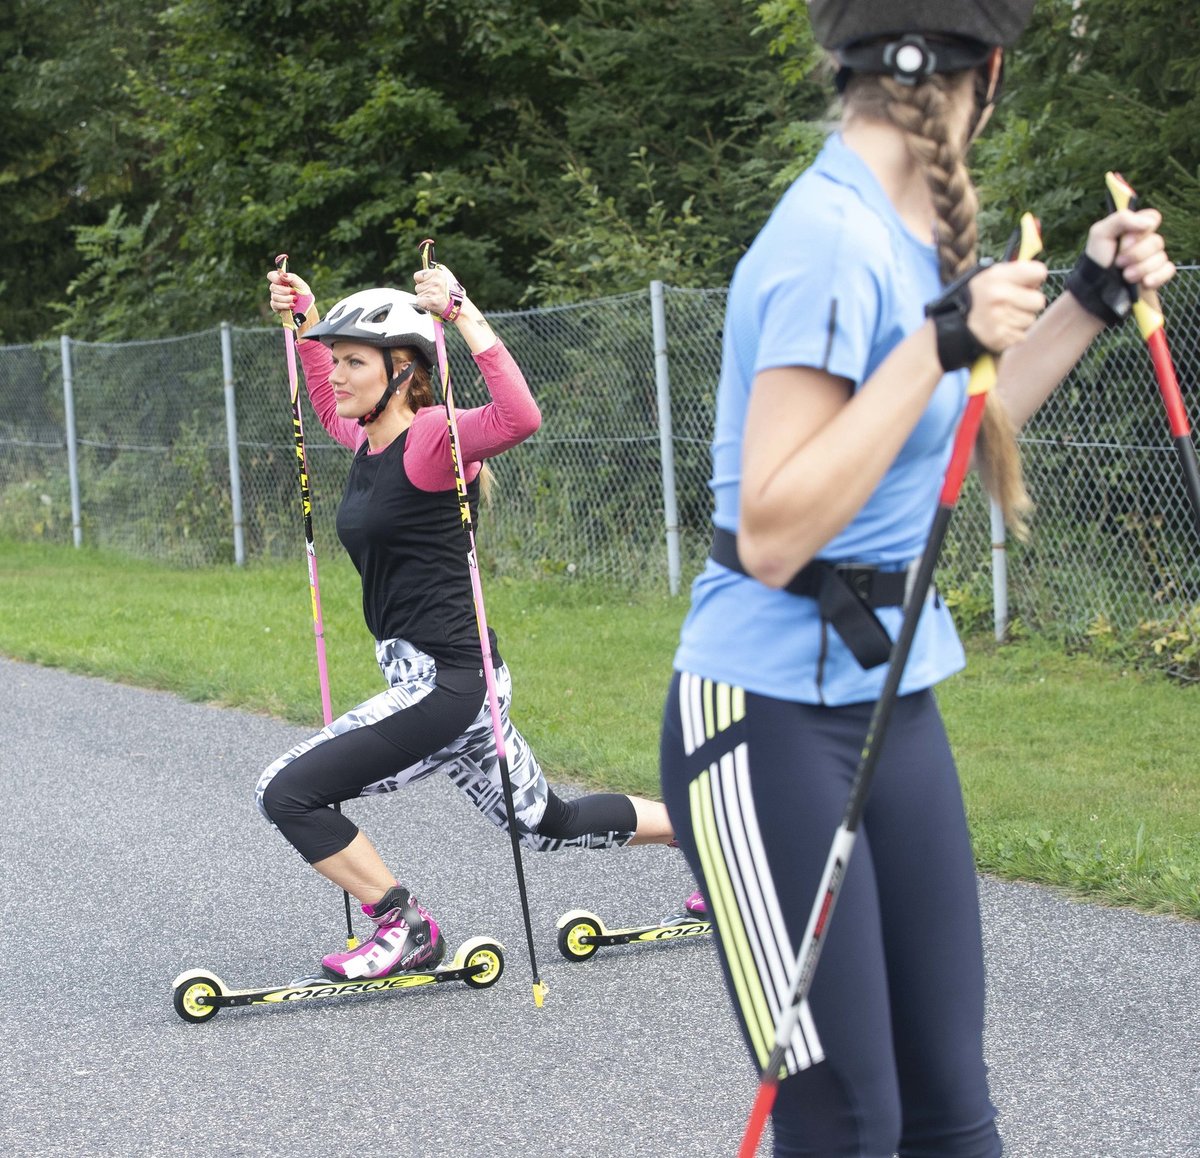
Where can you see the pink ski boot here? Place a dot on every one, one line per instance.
(407, 938)
(696, 906)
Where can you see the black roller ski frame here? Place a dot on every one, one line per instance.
(581, 933)
(199, 995)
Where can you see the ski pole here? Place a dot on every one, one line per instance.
(290, 321)
(1153, 329)
(464, 509)
(982, 379)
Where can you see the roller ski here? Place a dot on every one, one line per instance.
(581, 933)
(198, 995)
(405, 952)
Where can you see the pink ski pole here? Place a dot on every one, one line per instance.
(464, 507)
(290, 322)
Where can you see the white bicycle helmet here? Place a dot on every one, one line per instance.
(382, 317)
(386, 319)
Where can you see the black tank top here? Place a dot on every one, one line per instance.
(410, 547)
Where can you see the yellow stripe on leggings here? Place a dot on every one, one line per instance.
(718, 891)
(723, 708)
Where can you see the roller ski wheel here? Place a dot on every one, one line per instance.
(483, 961)
(581, 934)
(198, 996)
(192, 996)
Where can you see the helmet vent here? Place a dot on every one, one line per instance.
(378, 316)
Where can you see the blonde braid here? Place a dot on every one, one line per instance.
(922, 113)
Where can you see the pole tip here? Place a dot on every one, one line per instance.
(539, 993)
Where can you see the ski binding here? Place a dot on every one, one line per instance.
(581, 933)
(199, 995)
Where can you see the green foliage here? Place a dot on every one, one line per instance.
(972, 609)
(72, 147)
(1169, 645)
(606, 250)
(1095, 87)
(164, 152)
(203, 500)
(331, 131)
(1176, 640)
(108, 300)
(534, 140)
(669, 146)
(37, 509)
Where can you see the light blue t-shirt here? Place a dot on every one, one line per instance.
(833, 281)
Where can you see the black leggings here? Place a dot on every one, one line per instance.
(756, 789)
(298, 800)
(429, 720)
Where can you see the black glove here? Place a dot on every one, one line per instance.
(956, 345)
(1102, 291)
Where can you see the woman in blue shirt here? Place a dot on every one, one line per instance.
(836, 409)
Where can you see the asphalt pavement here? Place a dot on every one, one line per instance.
(130, 851)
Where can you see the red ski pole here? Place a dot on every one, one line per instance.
(983, 378)
(1153, 329)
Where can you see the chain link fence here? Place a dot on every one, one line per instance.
(182, 450)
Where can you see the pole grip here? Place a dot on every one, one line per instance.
(1121, 195)
(292, 321)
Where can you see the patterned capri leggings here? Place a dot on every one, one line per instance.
(428, 720)
(756, 788)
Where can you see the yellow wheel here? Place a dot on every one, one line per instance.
(189, 994)
(570, 939)
(487, 959)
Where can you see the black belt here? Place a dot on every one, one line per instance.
(846, 597)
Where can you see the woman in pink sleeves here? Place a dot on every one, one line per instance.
(367, 366)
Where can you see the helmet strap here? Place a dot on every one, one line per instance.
(394, 382)
(908, 59)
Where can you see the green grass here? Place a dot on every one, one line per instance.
(1080, 774)
(1077, 774)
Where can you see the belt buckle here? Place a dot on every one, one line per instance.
(858, 579)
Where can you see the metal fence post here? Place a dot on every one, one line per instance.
(999, 571)
(662, 379)
(68, 378)
(235, 477)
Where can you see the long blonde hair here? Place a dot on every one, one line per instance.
(419, 393)
(922, 112)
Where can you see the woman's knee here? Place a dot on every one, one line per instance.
(267, 794)
(262, 787)
(278, 798)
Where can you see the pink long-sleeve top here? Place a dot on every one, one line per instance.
(399, 518)
(483, 431)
